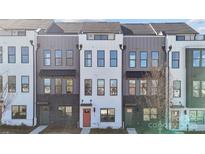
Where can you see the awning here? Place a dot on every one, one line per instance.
(53, 72)
(137, 74)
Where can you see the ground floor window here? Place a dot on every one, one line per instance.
(149, 114)
(107, 115)
(18, 111)
(65, 111)
(197, 117)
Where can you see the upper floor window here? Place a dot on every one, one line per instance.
(69, 58)
(69, 86)
(47, 86)
(18, 111)
(113, 87)
(11, 54)
(175, 59)
(143, 59)
(132, 59)
(24, 83)
(88, 58)
(47, 57)
(132, 87)
(198, 88)
(113, 58)
(176, 88)
(100, 58)
(58, 57)
(180, 38)
(155, 58)
(100, 87)
(24, 55)
(11, 84)
(1, 84)
(143, 87)
(1, 55)
(100, 37)
(58, 86)
(88, 87)
(199, 58)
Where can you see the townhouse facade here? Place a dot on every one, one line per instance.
(102, 74)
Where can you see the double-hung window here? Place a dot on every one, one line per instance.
(107, 115)
(176, 88)
(100, 58)
(88, 87)
(155, 58)
(47, 57)
(132, 59)
(113, 58)
(24, 55)
(132, 87)
(88, 58)
(11, 54)
(58, 86)
(47, 86)
(11, 84)
(113, 87)
(1, 55)
(143, 59)
(100, 87)
(175, 59)
(58, 57)
(25, 84)
(196, 88)
(143, 87)
(69, 86)
(69, 58)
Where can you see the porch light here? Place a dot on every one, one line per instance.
(94, 109)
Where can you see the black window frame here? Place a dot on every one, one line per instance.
(87, 88)
(107, 117)
(113, 87)
(25, 84)
(23, 55)
(132, 59)
(69, 86)
(180, 37)
(143, 59)
(103, 87)
(87, 59)
(46, 86)
(19, 108)
(100, 59)
(11, 85)
(46, 58)
(58, 58)
(130, 87)
(69, 58)
(115, 59)
(154, 59)
(58, 87)
(11, 55)
(175, 88)
(175, 60)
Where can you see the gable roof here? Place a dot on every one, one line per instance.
(173, 28)
(70, 27)
(25, 24)
(137, 29)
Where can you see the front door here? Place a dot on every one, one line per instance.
(86, 117)
(128, 116)
(44, 115)
(175, 119)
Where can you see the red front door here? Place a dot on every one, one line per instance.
(86, 117)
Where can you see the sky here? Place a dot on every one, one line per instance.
(197, 24)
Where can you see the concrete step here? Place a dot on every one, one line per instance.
(85, 131)
(131, 131)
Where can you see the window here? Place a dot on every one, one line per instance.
(203, 58)
(113, 58)
(47, 57)
(176, 88)
(88, 87)
(88, 58)
(196, 88)
(65, 111)
(154, 87)
(69, 86)
(132, 59)
(11, 84)
(132, 87)
(143, 87)
(107, 115)
(149, 114)
(100, 37)
(143, 59)
(1, 84)
(100, 58)
(196, 58)
(100, 87)
(21, 33)
(113, 87)
(175, 59)
(11, 54)
(24, 55)
(69, 58)
(24, 83)
(197, 117)
(18, 111)
(58, 86)
(155, 58)
(1, 55)
(180, 38)
(58, 57)
(47, 86)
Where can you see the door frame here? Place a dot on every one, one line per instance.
(89, 117)
(40, 114)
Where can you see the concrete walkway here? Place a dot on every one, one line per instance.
(85, 131)
(131, 131)
(39, 129)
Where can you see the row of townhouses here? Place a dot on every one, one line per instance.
(102, 74)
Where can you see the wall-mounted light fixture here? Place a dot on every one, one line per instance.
(94, 109)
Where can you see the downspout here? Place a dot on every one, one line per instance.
(34, 79)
